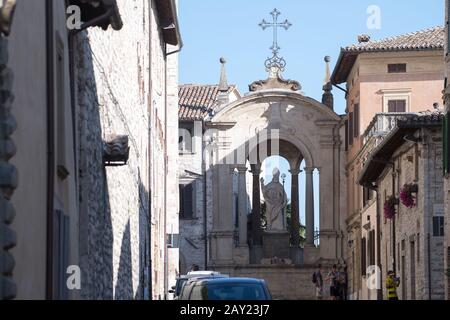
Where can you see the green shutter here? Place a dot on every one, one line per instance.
(446, 136)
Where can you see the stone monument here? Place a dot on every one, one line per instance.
(276, 238)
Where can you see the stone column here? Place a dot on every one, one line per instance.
(256, 208)
(295, 218)
(242, 206)
(309, 203)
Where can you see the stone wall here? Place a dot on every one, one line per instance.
(122, 90)
(284, 282)
(416, 247)
(192, 233)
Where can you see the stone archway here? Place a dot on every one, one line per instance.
(264, 123)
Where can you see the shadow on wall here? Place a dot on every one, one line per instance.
(96, 226)
(96, 234)
(143, 291)
(124, 284)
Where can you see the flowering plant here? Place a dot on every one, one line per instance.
(389, 207)
(406, 195)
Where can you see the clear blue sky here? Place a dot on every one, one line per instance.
(212, 29)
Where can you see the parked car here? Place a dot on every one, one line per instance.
(244, 289)
(181, 281)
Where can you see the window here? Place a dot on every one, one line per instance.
(185, 137)
(60, 110)
(346, 135)
(372, 248)
(186, 201)
(356, 120)
(397, 68)
(367, 196)
(446, 141)
(397, 106)
(350, 128)
(363, 257)
(438, 226)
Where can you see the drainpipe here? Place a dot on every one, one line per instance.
(393, 224)
(205, 207)
(166, 249)
(50, 146)
(379, 292)
(150, 106)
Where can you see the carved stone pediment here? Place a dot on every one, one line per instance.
(275, 82)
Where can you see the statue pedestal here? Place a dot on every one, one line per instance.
(276, 244)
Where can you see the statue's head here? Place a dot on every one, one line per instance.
(276, 175)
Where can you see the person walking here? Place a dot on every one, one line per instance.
(333, 279)
(317, 280)
(392, 283)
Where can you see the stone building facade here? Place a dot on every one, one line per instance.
(96, 149)
(446, 151)
(389, 76)
(412, 241)
(196, 104)
(136, 216)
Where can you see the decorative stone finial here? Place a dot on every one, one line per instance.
(223, 84)
(223, 97)
(327, 97)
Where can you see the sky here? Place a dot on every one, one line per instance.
(212, 29)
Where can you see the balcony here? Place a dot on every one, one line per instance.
(381, 125)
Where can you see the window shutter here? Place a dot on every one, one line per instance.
(363, 256)
(446, 140)
(186, 201)
(356, 119)
(350, 128)
(346, 135)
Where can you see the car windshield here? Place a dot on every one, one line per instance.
(238, 291)
(180, 285)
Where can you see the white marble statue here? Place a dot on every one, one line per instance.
(276, 202)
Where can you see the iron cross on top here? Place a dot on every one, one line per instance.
(275, 24)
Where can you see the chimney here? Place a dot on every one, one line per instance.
(223, 96)
(363, 38)
(327, 97)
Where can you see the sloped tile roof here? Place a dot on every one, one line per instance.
(428, 39)
(196, 102)
(432, 38)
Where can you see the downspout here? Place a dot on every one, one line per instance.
(150, 153)
(429, 265)
(150, 106)
(50, 146)
(166, 249)
(378, 222)
(393, 224)
(205, 207)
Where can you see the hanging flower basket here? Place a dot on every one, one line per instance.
(406, 195)
(389, 207)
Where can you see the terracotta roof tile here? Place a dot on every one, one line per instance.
(429, 39)
(432, 38)
(196, 102)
